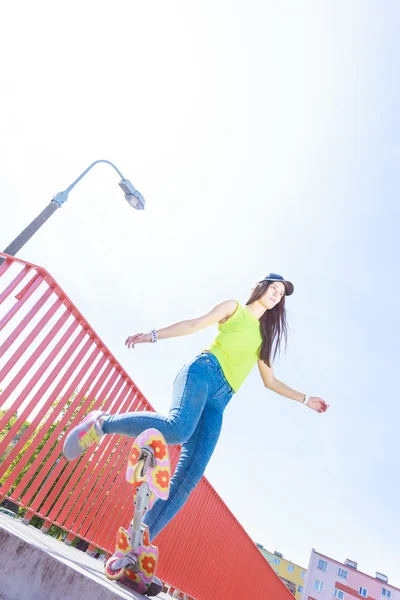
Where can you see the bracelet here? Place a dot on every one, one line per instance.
(305, 401)
(153, 334)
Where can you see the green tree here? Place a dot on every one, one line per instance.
(6, 430)
(36, 520)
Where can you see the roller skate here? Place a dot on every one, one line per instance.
(135, 559)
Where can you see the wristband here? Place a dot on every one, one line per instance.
(153, 334)
(305, 401)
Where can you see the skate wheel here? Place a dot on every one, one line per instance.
(138, 476)
(155, 587)
(110, 573)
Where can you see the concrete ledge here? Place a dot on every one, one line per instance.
(35, 566)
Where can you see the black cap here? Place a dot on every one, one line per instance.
(289, 287)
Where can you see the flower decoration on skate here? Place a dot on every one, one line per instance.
(161, 478)
(159, 447)
(132, 575)
(146, 536)
(147, 563)
(133, 459)
(122, 540)
(135, 454)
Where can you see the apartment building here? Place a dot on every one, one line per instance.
(289, 572)
(327, 578)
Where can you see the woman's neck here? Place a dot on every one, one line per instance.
(256, 309)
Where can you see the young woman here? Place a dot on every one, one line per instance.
(247, 334)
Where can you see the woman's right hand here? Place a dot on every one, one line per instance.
(138, 338)
(317, 404)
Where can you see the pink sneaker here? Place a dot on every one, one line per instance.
(82, 436)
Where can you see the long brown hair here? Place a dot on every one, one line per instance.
(273, 324)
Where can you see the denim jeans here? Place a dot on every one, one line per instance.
(200, 395)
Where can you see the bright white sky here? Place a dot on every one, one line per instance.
(264, 137)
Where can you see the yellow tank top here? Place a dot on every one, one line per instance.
(237, 345)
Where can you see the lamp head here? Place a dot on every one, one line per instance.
(132, 195)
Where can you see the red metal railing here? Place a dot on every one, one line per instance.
(53, 370)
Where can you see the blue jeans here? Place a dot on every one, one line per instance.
(200, 395)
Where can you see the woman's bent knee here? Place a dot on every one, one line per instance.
(179, 431)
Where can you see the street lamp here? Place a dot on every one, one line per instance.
(132, 195)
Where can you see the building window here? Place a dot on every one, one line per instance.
(300, 589)
(363, 592)
(322, 564)
(338, 594)
(290, 568)
(303, 574)
(342, 573)
(318, 585)
(386, 593)
(277, 561)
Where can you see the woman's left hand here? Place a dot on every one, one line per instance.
(317, 404)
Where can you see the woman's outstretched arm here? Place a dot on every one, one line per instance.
(272, 383)
(220, 312)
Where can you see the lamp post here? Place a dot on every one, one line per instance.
(132, 195)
